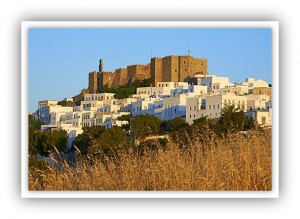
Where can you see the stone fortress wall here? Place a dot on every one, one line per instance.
(167, 69)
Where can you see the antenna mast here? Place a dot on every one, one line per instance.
(189, 51)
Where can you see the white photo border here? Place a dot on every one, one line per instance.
(26, 25)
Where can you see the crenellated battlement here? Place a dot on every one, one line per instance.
(169, 68)
(107, 72)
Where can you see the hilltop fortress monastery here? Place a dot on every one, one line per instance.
(180, 87)
(167, 69)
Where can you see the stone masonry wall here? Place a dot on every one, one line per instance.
(93, 82)
(156, 70)
(78, 98)
(105, 79)
(121, 77)
(169, 68)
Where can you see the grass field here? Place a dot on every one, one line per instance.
(207, 162)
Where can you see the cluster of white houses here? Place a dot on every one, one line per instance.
(166, 101)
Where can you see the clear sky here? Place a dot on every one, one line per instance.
(61, 58)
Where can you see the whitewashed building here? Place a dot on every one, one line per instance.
(210, 105)
(213, 82)
(47, 107)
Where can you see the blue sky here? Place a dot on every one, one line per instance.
(61, 58)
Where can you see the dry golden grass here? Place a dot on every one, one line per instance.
(232, 163)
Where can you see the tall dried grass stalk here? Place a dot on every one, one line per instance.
(234, 163)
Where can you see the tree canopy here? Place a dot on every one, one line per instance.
(44, 142)
(177, 123)
(34, 124)
(144, 125)
(83, 141)
(125, 117)
(62, 103)
(109, 142)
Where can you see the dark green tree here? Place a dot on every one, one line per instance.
(62, 103)
(142, 83)
(84, 140)
(59, 139)
(177, 123)
(145, 125)
(124, 92)
(125, 117)
(232, 119)
(46, 141)
(33, 135)
(94, 132)
(164, 127)
(32, 141)
(109, 142)
(200, 121)
(106, 89)
(35, 124)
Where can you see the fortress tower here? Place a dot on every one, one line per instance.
(177, 68)
(101, 65)
(156, 70)
(93, 82)
(169, 68)
(105, 79)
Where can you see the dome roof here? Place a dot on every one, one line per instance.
(198, 75)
